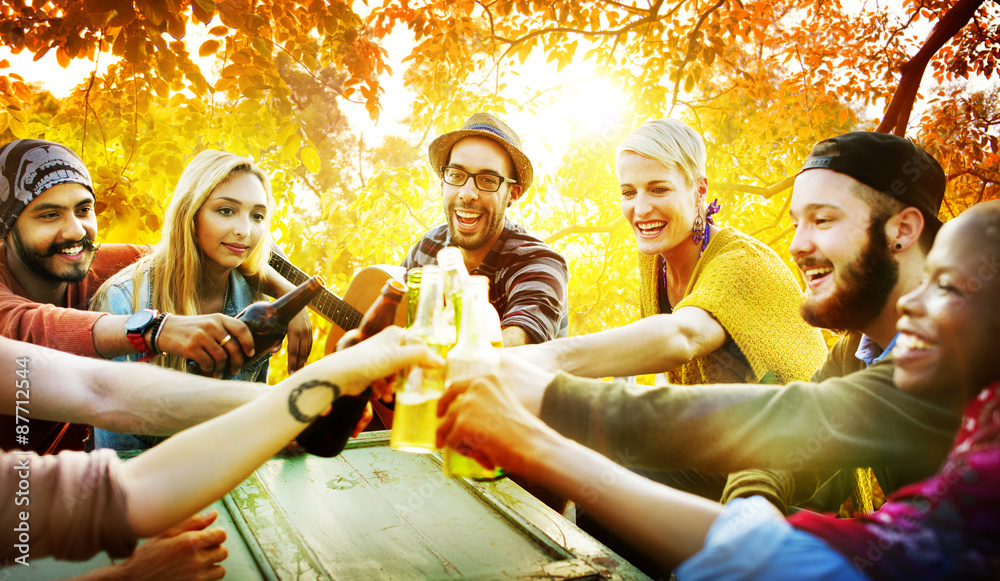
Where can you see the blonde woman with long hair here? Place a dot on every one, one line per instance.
(210, 259)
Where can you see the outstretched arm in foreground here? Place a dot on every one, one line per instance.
(121, 397)
(182, 475)
(651, 345)
(481, 419)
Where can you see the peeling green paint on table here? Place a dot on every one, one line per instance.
(373, 513)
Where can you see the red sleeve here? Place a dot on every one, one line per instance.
(65, 329)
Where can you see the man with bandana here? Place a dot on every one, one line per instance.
(50, 266)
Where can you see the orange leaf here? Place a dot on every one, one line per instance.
(208, 48)
(62, 57)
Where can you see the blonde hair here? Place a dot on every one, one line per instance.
(671, 143)
(175, 264)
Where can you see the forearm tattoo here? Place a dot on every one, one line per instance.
(293, 406)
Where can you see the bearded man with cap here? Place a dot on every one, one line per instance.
(865, 209)
(483, 172)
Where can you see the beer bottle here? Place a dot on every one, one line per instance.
(455, 276)
(472, 356)
(328, 435)
(415, 422)
(268, 320)
(490, 317)
(412, 295)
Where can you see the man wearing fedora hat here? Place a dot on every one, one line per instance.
(483, 172)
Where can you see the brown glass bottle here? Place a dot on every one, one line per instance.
(328, 435)
(268, 320)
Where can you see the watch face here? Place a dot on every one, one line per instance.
(139, 321)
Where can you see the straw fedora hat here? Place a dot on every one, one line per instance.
(485, 125)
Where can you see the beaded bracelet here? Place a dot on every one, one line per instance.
(157, 329)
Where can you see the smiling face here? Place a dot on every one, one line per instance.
(950, 323)
(54, 235)
(842, 252)
(232, 221)
(475, 218)
(657, 202)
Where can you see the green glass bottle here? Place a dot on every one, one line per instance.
(472, 356)
(415, 422)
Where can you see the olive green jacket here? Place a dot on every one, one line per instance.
(809, 430)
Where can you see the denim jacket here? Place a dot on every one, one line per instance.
(119, 299)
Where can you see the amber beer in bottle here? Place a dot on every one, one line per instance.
(268, 320)
(328, 435)
(415, 423)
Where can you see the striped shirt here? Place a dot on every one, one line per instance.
(528, 279)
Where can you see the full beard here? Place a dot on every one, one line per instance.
(493, 224)
(37, 262)
(864, 291)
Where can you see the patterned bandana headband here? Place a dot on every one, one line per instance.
(29, 167)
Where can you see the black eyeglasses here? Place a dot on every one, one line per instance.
(486, 182)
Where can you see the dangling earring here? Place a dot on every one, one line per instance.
(697, 229)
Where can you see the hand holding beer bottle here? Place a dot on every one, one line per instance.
(328, 435)
(471, 357)
(415, 422)
(268, 321)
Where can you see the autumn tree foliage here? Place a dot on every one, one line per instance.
(762, 81)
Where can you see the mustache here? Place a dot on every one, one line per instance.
(811, 263)
(470, 207)
(87, 242)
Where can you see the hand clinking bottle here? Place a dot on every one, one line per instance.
(328, 435)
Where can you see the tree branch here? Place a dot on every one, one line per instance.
(766, 192)
(975, 173)
(897, 114)
(781, 235)
(651, 16)
(690, 53)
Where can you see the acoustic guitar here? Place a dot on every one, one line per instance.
(345, 313)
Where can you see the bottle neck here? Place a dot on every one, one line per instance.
(289, 305)
(472, 331)
(431, 292)
(383, 312)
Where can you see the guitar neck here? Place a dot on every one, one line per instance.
(332, 307)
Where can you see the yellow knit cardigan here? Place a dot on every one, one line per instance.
(745, 285)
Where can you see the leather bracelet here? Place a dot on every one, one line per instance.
(293, 406)
(156, 330)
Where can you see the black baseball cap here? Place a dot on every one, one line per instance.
(888, 163)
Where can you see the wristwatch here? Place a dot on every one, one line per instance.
(137, 325)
